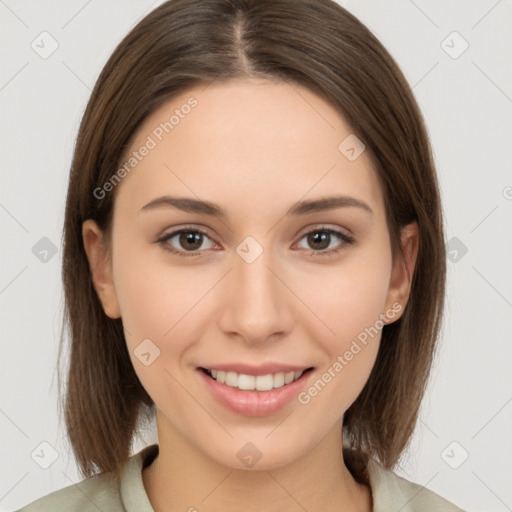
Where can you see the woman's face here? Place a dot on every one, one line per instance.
(283, 264)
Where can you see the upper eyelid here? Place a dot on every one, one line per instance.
(324, 227)
(175, 232)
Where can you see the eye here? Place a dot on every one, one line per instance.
(189, 242)
(321, 239)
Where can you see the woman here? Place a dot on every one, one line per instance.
(223, 141)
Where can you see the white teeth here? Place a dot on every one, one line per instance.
(232, 379)
(251, 382)
(288, 377)
(246, 381)
(279, 380)
(264, 382)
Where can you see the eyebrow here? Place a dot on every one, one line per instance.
(191, 205)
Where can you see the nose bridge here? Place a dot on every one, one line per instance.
(258, 304)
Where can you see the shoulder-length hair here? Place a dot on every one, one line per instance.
(313, 43)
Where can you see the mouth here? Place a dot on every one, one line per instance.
(247, 382)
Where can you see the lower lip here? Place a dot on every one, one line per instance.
(252, 402)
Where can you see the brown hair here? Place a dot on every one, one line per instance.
(314, 43)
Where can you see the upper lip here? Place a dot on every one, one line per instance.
(250, 369)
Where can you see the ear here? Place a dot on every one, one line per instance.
(403, 270)
(101, 268)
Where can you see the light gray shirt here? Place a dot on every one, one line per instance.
(391, 493)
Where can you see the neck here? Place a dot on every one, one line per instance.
(185, 479)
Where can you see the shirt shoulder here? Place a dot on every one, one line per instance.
(99, 492)
(102, 492)
(393, 492)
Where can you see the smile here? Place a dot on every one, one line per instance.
(253, 382)
(252, 390)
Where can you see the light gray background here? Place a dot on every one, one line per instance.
(468, 108)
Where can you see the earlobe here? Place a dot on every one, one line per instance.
(403, 269)
(100, 266)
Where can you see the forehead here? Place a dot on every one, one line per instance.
(249, 141)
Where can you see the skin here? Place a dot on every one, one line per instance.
(255, 148)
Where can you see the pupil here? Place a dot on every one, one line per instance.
(194, 239)
(320, 237)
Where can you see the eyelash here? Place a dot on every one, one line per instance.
(331, 252)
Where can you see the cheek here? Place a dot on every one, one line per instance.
(155, 298)
(349, 298)
(161, 309)
(157, 304)
(349, 301)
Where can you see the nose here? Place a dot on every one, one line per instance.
(257, 305)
